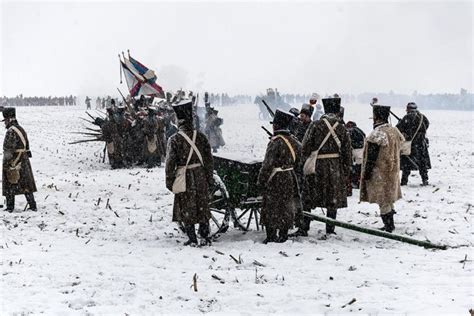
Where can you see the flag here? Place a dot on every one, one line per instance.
(140, 80)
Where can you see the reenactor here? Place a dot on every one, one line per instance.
(189, 173)
(17, 172)
(327, 154)
(380, 181)
(305, 116)
(213, 129)
(313, 101)
(161, 135)
(88, 103)
(414, 126)
(357, 142)
(152, 154)
(113, 140)
(278, 180)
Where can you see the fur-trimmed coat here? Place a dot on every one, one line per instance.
(383, 187)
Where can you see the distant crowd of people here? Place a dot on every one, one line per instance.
(20, 100)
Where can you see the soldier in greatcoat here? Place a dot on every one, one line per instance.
(113, 140)
(357, 141)
(380, 181)
(278, 180)
(191, 206)
(152, 154)
(414, 126)
(213, 129)
(305, 116)
(326, 187)
(17, 175)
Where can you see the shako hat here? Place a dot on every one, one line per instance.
(332, 105)
(282, 119)
(9, 113)
(381, 112)
(184, 109)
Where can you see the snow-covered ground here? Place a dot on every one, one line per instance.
(75, 256)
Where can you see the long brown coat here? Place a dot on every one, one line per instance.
(192, 206)
(114, 142)
(281, 194)
(328, 186)
(214, 131)
(384, 185)
(12, 142)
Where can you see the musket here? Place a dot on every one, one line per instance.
(88, 134)
(269, 109)
(266, 130)
(85, 141)
(394, 115)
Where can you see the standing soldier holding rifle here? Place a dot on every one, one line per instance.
(17, 173)
(327, 155)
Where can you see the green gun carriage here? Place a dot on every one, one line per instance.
(235, 197)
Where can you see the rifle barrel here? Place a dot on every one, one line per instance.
(269, 109)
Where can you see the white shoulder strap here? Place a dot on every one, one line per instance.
(293, 154)
(193, 146)
(333, 133)
(20, 134)
(419, 125)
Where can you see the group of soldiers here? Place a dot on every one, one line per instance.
(136, 131)
(308, 163)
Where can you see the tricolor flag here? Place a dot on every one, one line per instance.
(140, 79)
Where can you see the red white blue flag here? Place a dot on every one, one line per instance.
(140, 79)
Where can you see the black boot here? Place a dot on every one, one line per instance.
(191, 232)
(30, 198)
(424, 177)
(331, 213)
(10, 203)
(282, 236)
(204, 231)
(405, 175)
(391, 221)
(271, 235)
(387, 220)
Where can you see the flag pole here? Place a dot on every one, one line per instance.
(120, 65)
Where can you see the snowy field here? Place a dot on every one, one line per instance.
(75, 256)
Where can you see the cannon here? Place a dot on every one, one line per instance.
(236, 198)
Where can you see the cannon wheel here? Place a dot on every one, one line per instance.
(222, 213)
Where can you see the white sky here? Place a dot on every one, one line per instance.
(55, 48)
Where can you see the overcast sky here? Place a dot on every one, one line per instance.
(55, 48)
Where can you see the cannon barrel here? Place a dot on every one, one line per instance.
(374, 232)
